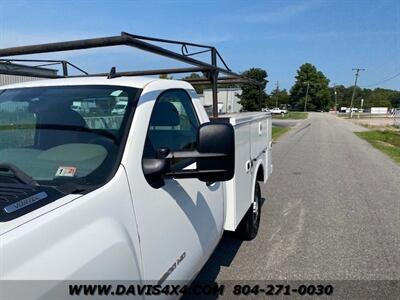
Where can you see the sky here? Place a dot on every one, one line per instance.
(277, 36)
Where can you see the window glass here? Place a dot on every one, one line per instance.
(63, 133)
(103, 112)
(17, 124)
(173, 125)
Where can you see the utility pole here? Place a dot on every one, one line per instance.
(336, 104)
(277, 91)
(305, 102)
(354, 89)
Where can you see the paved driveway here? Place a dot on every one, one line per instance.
(332, 211)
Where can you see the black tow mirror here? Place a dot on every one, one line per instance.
(216, 138)
(154, 169)
(214, 156)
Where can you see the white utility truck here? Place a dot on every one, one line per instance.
(145, 199)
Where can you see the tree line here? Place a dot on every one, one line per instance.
(320, 95)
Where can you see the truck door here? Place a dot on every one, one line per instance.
(180, 223)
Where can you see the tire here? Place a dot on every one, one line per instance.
(248, 227)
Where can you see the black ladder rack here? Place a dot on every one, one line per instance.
(211, 71)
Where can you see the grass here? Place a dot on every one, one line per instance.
(379, 127)
(278, 131)
(387, 141)
(292, 115)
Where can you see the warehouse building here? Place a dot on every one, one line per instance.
(228, 100)
(15, 73)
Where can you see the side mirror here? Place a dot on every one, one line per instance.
(219, 139)
(215, 157)
(154, 169)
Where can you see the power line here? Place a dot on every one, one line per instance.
(382, 81)
(390, 59)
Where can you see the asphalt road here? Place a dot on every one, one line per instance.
(331, 212)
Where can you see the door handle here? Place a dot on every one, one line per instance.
(248, 166)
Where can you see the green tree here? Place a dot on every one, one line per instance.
(165, 76)
(344, 95)
(318, 93)
(253, 94)
(395, 99)
(378, 98)
(278, 97)
(198, 87)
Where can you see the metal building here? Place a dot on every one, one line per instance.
(228, 100)
(9, 71)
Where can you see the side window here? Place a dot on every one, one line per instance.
(173, 125)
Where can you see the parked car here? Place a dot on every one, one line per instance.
(278, 111)
(119, 108)
(83, 106)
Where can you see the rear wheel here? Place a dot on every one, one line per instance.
(248, 227)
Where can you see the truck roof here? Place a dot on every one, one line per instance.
(136, 82)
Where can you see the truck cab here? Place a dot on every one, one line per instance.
(145, 196)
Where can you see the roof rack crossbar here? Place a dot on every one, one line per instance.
(45, 65)
(146, 38)
(64, 46)
(147, 72)
(224, 80)
(28, 60)
(46, 62)
(29, 74)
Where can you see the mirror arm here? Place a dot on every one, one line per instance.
(191, 173)
(193, 154)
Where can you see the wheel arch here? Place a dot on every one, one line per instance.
(259, 177)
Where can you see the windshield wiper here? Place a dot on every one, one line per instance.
(74, 188)
(18, 173)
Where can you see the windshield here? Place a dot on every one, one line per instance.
(58, 135)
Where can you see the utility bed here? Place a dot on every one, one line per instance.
(253, 136)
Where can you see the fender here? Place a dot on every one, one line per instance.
(93, 237)
(259, 165)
